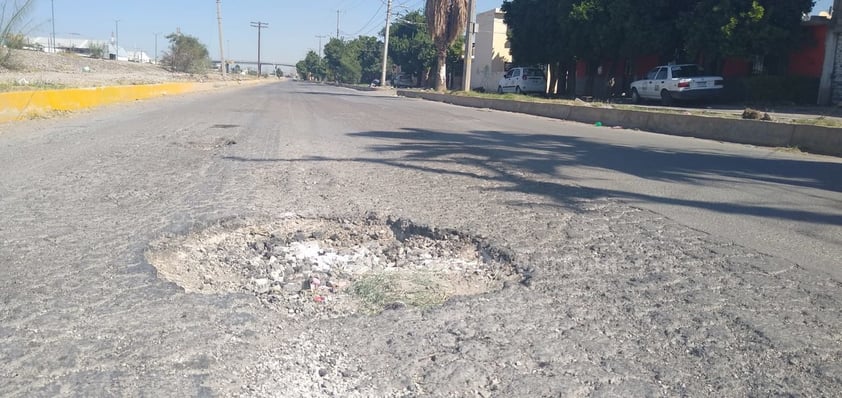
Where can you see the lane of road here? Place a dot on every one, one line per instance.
(778, 202)
(623, 301)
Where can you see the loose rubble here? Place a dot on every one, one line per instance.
(332, 267)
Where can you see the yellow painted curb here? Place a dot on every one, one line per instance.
(24, 104)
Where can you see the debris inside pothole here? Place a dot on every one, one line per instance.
(333, 267)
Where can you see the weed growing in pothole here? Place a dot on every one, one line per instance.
(332, 267)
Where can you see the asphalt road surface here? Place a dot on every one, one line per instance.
(653, 265)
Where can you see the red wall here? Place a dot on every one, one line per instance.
(808, 60)
(736, 67)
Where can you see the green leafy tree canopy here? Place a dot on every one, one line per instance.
(186, 54)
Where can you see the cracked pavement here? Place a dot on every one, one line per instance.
(659, 266)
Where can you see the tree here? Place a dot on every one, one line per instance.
(341, 62)
(446, 19)
(369, 52)
(311, 67)
(186, 54)
(12, 14)
(411, 46)
(599, 31)
(530, 19)
(353, 61)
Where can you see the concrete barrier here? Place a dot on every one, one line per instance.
(24, 104)
(20, 105)
(817, 139)
(814, 139)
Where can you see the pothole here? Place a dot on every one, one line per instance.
(333, 267)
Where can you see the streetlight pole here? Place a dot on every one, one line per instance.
(221, 48)
(116, 39)
(156, 48)
(386, 45)
(337, 23)
(320, 37)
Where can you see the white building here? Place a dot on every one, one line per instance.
(138, 56)
(121, 53)
(84, 47)
(491, 51)
(63, 44)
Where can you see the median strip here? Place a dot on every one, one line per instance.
(811, 138)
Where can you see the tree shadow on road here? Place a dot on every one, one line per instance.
(535, 164)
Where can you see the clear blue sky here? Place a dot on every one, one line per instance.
(293, 24)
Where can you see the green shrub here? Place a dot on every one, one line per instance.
(98, 50)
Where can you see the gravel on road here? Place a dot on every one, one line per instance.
(588, 296)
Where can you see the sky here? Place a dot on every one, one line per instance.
(293, 25)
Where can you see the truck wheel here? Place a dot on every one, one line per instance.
(635, 96)
(666, 98)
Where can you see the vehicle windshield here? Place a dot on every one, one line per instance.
(687, 71)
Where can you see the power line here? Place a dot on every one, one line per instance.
(376, 13)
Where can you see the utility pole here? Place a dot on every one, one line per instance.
(469, 43)
(337, 24)
(221, 48)
(259, 26)
(320, 37)
(386, 44)
(156, 47)
(116, 39)
(53, 20)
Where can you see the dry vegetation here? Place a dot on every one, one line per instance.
(33, 70)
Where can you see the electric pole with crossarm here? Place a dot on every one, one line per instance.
(259, 26)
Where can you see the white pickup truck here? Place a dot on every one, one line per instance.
(676, 82)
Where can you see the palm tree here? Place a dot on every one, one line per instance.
(446, 19)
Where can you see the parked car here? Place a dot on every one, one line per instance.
(523, 80)
(403, 80)
(668, 83)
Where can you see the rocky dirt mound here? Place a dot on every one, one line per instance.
(35, 68)
(332, 267)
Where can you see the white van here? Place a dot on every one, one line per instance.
(523, 80)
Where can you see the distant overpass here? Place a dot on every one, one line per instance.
(262, 62)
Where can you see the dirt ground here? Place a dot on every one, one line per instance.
(39, 69)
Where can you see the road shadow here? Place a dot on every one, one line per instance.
(331, 93)
(535, 163)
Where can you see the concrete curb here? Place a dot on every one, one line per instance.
(20, 105)
(813, 139)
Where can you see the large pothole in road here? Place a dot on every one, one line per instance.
(333, 267)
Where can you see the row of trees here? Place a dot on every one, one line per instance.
(561, 32)
(359, 60)
(352, 61)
